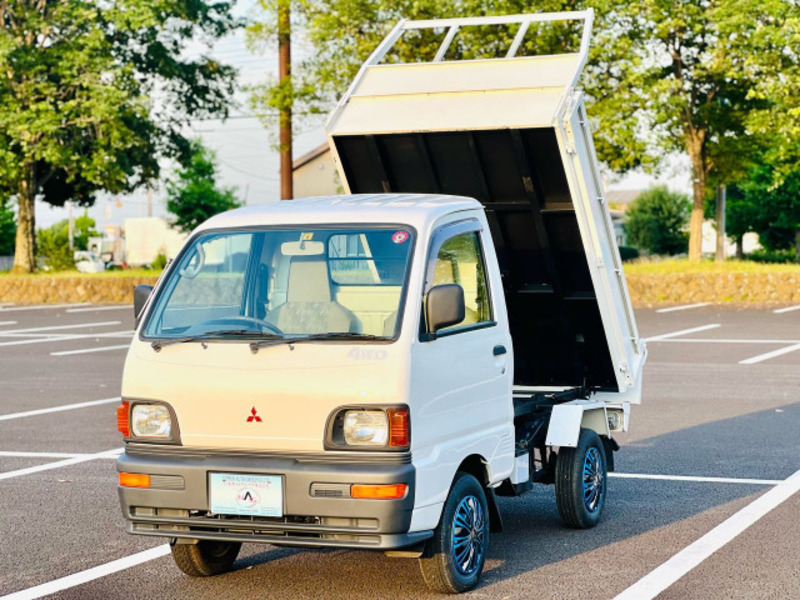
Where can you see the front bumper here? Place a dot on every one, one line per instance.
(176, 505)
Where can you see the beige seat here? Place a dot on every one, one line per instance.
(309, 306)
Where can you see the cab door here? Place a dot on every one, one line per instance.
(461, 378)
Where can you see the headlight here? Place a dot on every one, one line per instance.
(151, 420)
(366, 428)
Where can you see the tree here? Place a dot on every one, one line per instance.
(656, 221)
(194, 197)
(662, 76)
(758, 205)
(94, 93)
(53, 247)
(8, 228)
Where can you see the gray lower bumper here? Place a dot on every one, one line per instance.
(176, 505)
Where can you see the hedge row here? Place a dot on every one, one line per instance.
(645, 289)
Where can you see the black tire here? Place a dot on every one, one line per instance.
(580, 499)
(440, 568)
(205, 558)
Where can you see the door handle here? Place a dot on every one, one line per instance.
(499, 350)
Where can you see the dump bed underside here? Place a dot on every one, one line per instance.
(519, 177)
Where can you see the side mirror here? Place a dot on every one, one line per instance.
(141, 293)
(444, 306)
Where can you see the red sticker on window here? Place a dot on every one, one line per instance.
(398, 237)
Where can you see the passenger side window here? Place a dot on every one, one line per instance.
(460, 261)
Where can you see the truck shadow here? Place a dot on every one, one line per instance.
(534, 536)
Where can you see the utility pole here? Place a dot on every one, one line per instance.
(149, 201)
(284, 72)
(720, 255)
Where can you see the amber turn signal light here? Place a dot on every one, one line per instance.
(137, 480)
(399, 436)
(393, 491)
(123, 423)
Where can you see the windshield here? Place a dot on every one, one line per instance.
(287, 283)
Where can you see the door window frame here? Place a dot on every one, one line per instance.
(440, 236)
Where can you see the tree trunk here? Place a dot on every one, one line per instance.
(25, 252)
(740, 247)
(695, 146)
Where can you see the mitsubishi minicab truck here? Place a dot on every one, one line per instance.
(373, 370)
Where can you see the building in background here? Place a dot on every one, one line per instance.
(147, 237)
(315, 174)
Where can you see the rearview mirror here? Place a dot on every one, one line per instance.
(444, 306)
(140, 295)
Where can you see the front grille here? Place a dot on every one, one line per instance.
(152, 520)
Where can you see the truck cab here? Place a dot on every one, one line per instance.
(372, 370)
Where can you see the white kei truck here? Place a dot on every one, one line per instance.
(372, 370)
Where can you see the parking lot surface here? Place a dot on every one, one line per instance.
(704, 503)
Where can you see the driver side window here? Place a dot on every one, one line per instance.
(460, 261)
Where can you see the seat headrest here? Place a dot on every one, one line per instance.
(308, 280)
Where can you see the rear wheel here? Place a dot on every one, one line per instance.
(457, 550)
(581, 481)
(205, 558)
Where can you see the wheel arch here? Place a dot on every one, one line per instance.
(477, 466)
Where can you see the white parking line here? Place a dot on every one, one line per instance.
(664, 336)
(13, 454)
(768, 355)
(44, 338)
(70, 581)
(43, 306)
(715, 341)
(61, 327)
(780, 311)
(90, 350)
(61, 463)
(683, 307)
(98, 308)
(696, 478)
(52, 409)
(658, 580)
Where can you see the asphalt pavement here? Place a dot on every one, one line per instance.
(704, 504)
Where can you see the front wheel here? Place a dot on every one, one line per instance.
(581, 481)
(205, 558)
(457, 550)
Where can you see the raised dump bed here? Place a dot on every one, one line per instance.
(510, 131)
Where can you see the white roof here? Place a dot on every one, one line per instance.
(418, 210)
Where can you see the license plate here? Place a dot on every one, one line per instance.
(251, 495)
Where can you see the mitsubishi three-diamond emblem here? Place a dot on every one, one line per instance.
(253, 416)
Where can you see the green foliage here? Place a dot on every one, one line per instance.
(84, 228)
(628, 253)
(789, 256)
(194, 197)
(773, 212)
(656, 221)
(76, 81)
(716, 80)
(53, 248)
(8, 228)
(160, 261)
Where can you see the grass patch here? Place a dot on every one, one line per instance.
(116, 274)
(678, 265)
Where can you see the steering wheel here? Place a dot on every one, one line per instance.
(238, 319)
(190, 271)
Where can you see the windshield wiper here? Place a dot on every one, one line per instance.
(342, 335)
(159, 344)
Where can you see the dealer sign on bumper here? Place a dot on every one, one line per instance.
(250, 495)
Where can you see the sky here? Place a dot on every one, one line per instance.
(247, 159)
